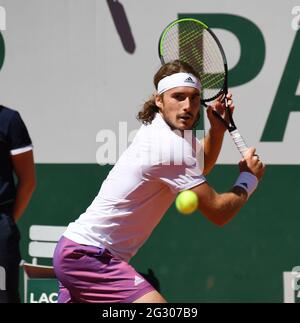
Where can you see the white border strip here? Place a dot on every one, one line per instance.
(21, 150)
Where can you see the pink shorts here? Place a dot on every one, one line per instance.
(90, 274)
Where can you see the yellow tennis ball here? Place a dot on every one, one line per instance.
(186, 202)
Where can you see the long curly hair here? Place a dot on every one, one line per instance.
(147, 113)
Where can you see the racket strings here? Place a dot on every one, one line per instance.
(190, 42)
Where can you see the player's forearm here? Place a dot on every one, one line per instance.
(231, 203)
(23, 196)
(212, 147)
(228, 205)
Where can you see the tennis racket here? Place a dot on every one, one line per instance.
(191, 41)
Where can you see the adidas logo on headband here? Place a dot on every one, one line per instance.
(189, 80)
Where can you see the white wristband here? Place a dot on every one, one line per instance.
(247, 181)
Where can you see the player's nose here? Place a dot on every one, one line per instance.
(187, 104)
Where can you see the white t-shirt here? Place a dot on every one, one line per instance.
(139, 190)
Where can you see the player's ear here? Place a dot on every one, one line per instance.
(159, 101)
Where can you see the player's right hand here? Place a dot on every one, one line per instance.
(251, 163)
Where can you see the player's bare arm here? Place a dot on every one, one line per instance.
(221, 208)
(25, 172)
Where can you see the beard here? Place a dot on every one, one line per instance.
(174, 127)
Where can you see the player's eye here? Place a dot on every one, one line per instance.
(179, 97)
(195, 97)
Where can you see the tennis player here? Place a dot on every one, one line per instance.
(91, 259)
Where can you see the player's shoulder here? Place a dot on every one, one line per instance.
(8, 113)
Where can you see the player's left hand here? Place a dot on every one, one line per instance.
(219, 106)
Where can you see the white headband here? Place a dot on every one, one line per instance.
(178, 79)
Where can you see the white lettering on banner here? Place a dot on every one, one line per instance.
(2, 278)
(296, 20)
(296, 280)
(291, 285)
(44, 298)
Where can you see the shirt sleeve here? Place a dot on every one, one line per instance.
(178, 165)
(18, 136)
(180, 177)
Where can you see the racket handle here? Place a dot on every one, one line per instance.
(239, 142)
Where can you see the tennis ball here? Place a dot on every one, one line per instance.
(186, 202)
